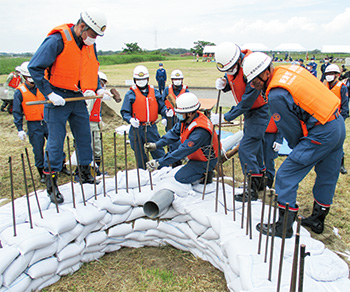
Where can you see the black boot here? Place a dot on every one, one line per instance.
(279, 224)
(52, 190)
(64, 169)
(86, 175)
(342, 167)
(316, 220)
(254, 192)
(42, 175)
(209, 178)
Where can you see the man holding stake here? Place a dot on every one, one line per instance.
(64, 66)
(307, 115)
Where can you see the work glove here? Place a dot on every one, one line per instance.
(89, 93)
(56, 99)
(214, 118)
(150, 146)
(6, 91)
(152, 165)
(104, 93)
(164, 122)
(134, 122)
(169, 113)
(22, 135)
(220, 83)
(276, 146)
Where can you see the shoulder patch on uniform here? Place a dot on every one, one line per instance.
(276, 117)
(190, 143)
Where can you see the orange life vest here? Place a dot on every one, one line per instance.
(145, 107)
(336, 89)
(74, 66)
(15, 81)
(95, 115)
(271, 127)
(200, 122)
(239, 84)
(306, 90)
(32, 112)
(172, 94)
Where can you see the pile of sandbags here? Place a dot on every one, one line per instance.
(60, 242)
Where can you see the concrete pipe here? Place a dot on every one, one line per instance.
(158, 203)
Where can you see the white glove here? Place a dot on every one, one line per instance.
(164, 122)
(169, 113)
(56, 99)
(6, 91)
(152, 165)
(276, 146)
(220, 83)
(89, 93)
(104, 93)
(22, 135)
(214, 118)
(150, 146)
(134, 122)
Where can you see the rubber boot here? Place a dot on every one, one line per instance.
(52, 190)
(279, 224)
(256, 182)
(342, 167)
(209, 178)
(64, 169)
(316, 220)
(86, 175)
(42, 175)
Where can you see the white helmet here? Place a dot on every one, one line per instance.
(140, 72)
(226, 55)
(187, 103)
(254, 64)
(177, 74)
(24, 69)
(332, 68)
(95, 19)
(102, 76)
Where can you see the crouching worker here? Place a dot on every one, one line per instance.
(194, 130)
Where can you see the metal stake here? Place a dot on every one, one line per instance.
(51, 180)
(268, 227)
(273, 234)
(80, 180)
(12, 198)
(126, 163)
(303, 254)
(103, 166)
(243, 198)
(233, 189)
(293, 280)
(137, 163)
(71, 173)
(150, 174)
(220, 162)
(27, 194)
(262, 218)
(94, 162)
(115, 162)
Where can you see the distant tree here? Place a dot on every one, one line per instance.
(132, 48)
(199, 47)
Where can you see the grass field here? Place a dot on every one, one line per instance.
(162, 269)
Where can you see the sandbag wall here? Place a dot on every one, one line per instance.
(60, 242)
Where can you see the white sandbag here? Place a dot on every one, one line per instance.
(106, 203)
(326, 267)
(198, 188)
(27, 239)
(34, 284)
(43, 253)
(201, 218)
(132, 178)
(171, 228)
(106, 220)
(119, 218)
(197, 227)
(144, 196)
(143, 224)
(137, 212)
(160, 174)
(94, 248)
(67, 237)
(7, 255)
(68, 263)
(71, 250)
(176, 244)
(89, 257)
(210, 234)
(87, 230)
(71, 270)
(181, 218)
(186, 229)
(123, 197)
(42, 268)
(88, 214)
(95, 238)
(54, 222)
(168, 214)
(132, 244)
(109, 186)
(49, 282)
(18, 285)
(172, 184)
(110, 248)
(120, 230)
(16, 268)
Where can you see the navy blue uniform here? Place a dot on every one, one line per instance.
(161, 79)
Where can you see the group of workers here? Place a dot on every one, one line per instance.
(285, 101)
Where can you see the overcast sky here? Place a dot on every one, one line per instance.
(165, 24)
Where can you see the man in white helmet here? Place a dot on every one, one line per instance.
(34, 115)
(251, 103)
(12, 81)
(170, 94)
(141, 106)
(194, 130)
(65, 65)
(332, 74)
(307, 115)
